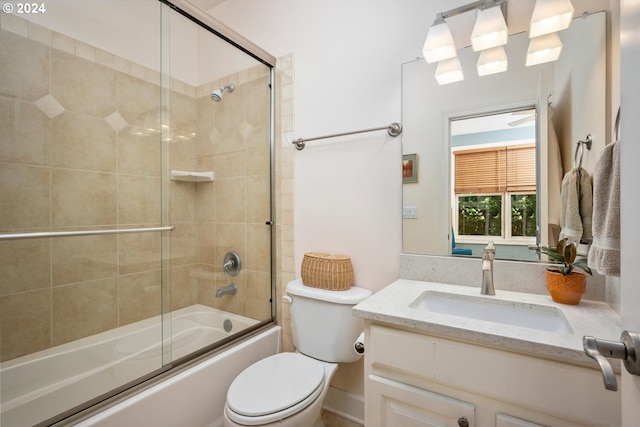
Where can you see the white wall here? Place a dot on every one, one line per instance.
(347, 61)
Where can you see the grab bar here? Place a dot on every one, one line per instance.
(44, 235)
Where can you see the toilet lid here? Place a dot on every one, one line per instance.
(274, 384)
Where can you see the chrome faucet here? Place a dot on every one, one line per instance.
(227, 290)
(487, 270)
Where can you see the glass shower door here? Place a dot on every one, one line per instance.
(83, 235)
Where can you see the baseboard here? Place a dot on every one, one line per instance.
(346, 405)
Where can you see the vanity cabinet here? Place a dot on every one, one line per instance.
(415, 379)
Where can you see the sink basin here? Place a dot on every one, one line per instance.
(491, 309)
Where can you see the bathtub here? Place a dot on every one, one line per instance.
(44, 384)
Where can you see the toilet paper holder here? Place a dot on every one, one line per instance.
(358, 346)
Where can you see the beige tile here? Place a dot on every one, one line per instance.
(182, 154)
(258, 199)
(228, 115)
(231, 303)
(206, 201)
(40, 34)
(139, 296)
(83, 86)
(83, 142)
(257, 100)
(183, 200)
(258, 152)
(229, 165)
(206, 277)
(229, 237)
(225, 142)
(138, 101)
(183, 244)
(258, 250)
(82, 259)
(206, 241)
(83, 198)
(105, 58)
(22, 315)
(258, 305)
(24, 196)
(24, 69)
(24, 132)
(230, 200)
(183, 113)
(139, 252)
(139, 200)
(63, 43)
(139, 154)
(24, 265)
(15, 24)
(184, 286)
(84, 309)
(204, 125)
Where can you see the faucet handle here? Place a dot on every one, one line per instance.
(489, 251)
(627, 350)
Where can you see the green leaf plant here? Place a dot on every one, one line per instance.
(565, 253)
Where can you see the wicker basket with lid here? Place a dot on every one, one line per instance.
(327, 271)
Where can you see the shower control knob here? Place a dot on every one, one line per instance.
(231, 263)
(463, 422)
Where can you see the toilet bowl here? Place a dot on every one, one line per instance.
(287, 389)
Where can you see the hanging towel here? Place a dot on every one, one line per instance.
(604, 255)
(576, 206)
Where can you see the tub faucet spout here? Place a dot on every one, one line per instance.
(487, 270)
(227, 290)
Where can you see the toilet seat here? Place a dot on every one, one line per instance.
(274, 388)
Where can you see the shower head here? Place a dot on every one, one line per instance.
(216, 95)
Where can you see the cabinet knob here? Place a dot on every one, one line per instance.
(463, 422)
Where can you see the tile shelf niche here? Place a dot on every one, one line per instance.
(191, 176)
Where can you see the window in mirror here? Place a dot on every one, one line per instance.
(494, 176)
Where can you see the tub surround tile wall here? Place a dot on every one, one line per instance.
(508, 275)
(80, 149)
(285, 186)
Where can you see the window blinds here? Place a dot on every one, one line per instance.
(496, 169)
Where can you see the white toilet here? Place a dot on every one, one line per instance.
(287, 389)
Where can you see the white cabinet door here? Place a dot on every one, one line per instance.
(394, 404)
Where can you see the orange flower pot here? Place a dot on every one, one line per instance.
(566, 289)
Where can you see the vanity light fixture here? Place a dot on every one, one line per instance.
(550, 16)
(543, 49)
(490, 29)
(490, 32)
(492, 61)
(449, 71)
(439, 43)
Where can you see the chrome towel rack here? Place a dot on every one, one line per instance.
(394, 129)
(577, 161)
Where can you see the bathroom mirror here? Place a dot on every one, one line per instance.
(563, 101)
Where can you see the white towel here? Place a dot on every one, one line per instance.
(576, 206)
(604, 255)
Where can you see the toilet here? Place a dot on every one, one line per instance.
(287, 389)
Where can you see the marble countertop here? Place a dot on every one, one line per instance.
(391, 305)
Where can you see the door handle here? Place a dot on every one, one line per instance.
(627, 349)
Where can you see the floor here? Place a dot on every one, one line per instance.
(332, 420)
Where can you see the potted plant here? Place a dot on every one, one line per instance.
(564, 283)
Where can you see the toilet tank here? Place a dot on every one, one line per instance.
(322, 323)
